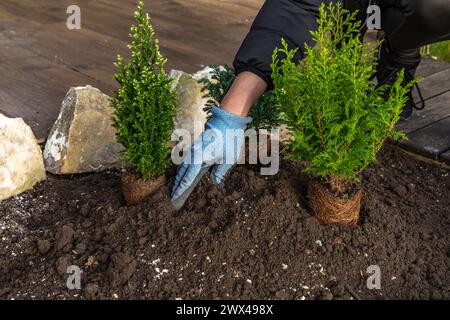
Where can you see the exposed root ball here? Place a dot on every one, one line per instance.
(329, 208)
(135, 189)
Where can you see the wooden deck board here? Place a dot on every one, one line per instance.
(429, 66)
(434, 84)
(431, 141)
(44, 59)
(436, 109)
(35, 90)
(428, 130)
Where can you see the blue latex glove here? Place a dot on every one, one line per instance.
(212, 148)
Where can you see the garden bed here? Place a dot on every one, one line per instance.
(255, 239)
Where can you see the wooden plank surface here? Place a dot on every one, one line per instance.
(431, 141)
(192, 33)
(436, 109)
(434, 84)
(429, 66)
(428, 130)
(35, 90)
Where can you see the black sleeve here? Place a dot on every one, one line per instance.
(288, 19)
(423, 23)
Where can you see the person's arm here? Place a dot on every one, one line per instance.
(244, 92)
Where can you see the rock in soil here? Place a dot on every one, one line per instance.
(91, 290)
(64, 238)
(326, 295)
(254, 239)
(43, 246)
(62, 263)
(122, 269)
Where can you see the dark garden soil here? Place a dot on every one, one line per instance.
(255, 239)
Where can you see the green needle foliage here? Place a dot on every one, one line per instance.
(339, 121)
(264, 112)
(145, 103)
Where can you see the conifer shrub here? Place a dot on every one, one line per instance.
(264, 112)
(144, 105)
(338, 117)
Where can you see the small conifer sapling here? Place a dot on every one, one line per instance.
(339, 118)
(144, 107)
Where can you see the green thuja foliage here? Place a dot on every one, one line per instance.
(339, 121)
(144, 105)
(264, 112)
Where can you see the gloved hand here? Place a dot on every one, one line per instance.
(220, 145)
